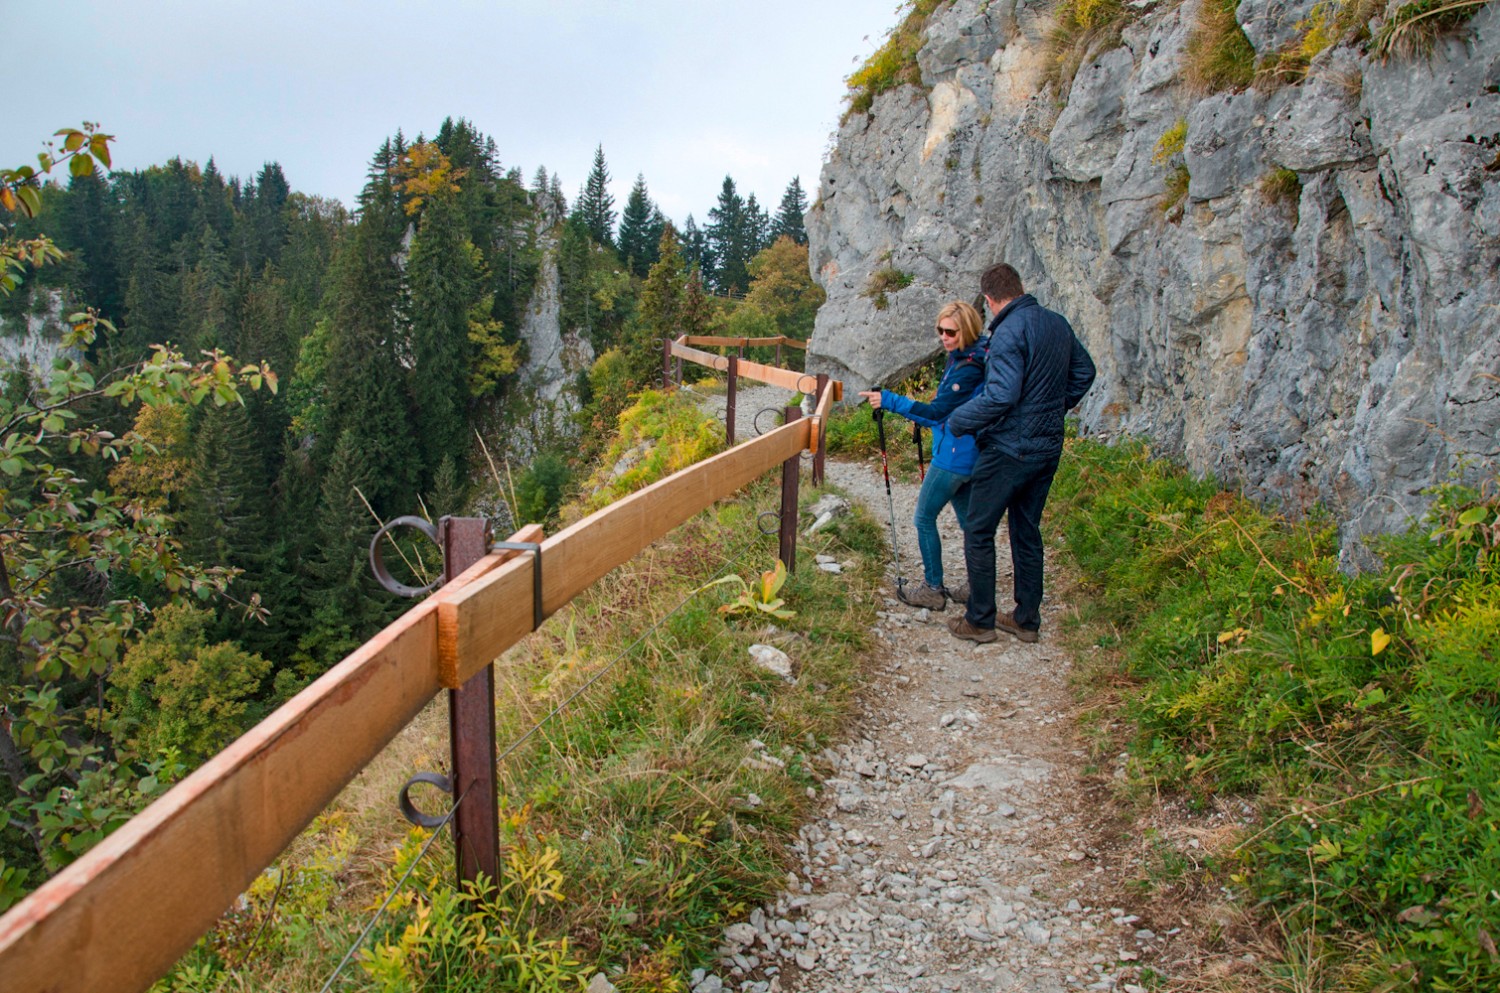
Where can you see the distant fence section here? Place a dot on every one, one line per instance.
(119, 917)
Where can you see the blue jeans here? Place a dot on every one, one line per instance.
(939, 489)
(1002, 485)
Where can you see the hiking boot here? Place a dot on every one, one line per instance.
(961, 628)
(958, 594)
(922, 595)
(1007, 623)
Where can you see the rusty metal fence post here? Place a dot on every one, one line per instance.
(471, 727)
(791, 475)
(732, 400)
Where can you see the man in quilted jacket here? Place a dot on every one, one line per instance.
(1037, 371)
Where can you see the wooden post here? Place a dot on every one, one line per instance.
(817, 472)
(778, 352)
(471, 727)
(666, 363)
(730, 402)
(791, 475)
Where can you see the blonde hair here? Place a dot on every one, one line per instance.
(968, 321)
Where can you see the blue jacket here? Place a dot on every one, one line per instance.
(961, 378)
(1038, 370)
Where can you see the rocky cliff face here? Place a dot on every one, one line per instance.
(1342, 347)
(546, 393)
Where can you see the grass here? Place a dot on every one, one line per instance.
(1413, 28)
(1169, 149)
(1358, 715)
(1283, 187)
(1082, 29)
(651, 812)
(885, 280)
(894, 63)
(1218, 56)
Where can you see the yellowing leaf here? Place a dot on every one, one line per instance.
(1378, 640)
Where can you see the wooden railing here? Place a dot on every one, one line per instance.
(121, 915)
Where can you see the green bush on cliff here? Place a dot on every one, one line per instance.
(894, 63)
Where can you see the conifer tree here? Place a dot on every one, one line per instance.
(660, 314)
(697, 311)
(757, 228)
(790, 216)
(638, 240)
(343, 595)
(205, 306)
(365, 385)
(443, 281)
(728, 234)
(595, 206)
(696, 251)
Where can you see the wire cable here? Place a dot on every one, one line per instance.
(438, 830)
(380, 911)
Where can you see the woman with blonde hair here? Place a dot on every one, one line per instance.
(947, 481)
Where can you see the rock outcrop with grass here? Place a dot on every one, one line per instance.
(1276, 224)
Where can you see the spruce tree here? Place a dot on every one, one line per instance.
(347, 605)
(727, 237)
(697, 315)
(364, 389)
(660, 314)
(443, 281)
(637, 245)
(790, 216)
(595, 206)
(696, 251)
(757, 234)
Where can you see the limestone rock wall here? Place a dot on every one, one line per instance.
(1344, 348)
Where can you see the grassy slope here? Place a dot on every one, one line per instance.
(1359, 716)
(636, 823)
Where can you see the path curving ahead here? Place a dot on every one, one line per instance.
(956, 844)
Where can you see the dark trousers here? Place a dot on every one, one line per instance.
(1004, 485)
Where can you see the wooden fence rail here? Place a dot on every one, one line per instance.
(120, 916)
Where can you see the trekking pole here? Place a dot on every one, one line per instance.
(916, 436)
(879, 415)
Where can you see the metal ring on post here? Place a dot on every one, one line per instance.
(760, 521)
(377, 560)
(755, 421)
(807, 375)
(409, 810)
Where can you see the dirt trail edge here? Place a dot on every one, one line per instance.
(956, 844)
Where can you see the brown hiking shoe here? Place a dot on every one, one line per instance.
(958, 594)
(961, 628)
(1007, 623)
(922, 595)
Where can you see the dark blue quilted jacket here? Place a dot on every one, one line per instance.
(962, 377)
(1038, 370)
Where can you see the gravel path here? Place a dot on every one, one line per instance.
(956, 846)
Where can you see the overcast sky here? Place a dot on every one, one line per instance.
(683, 92)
